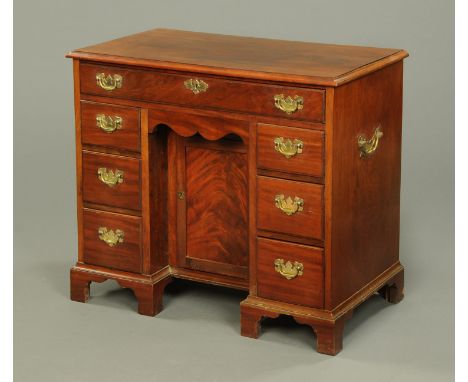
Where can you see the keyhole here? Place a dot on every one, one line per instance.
(181, 195)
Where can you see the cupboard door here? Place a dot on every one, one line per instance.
(212, 205)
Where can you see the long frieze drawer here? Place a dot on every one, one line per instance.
(289, 149)
(111, 180)
(112, 240)
(253, 98)
(289, 207)
(111, 126)
(290, 273)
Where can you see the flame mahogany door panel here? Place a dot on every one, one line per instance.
(212, 206)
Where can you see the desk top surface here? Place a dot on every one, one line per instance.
(248, 57)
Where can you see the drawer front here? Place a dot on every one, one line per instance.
(290, 150)
(111, 180)
(253, 98)
(290, 273)
(289, 207)
(111, 126)
(112, 240)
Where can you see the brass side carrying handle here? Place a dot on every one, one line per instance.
(368, 146)
(110, 237)
(108, 123)
(196, 86)
(288, 205)
(289, 270)
(109, 82)
(110, 177)
(287, 147)
(289, 105)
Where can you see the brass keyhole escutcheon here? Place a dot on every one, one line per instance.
(196, 86)
(181, 195)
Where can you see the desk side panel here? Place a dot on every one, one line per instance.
(365, 208)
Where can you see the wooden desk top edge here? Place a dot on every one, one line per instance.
(293, 61)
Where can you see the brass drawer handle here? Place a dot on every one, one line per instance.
(109, 82)
(369, 146)
(288, 269)
(108, 123)
(196, 86)
(110, 177)
(288, 205)
(287, 147)
(289, 105)
(110, 237)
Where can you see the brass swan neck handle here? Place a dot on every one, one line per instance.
(368, 147)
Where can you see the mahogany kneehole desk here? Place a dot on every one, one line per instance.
(264, 165)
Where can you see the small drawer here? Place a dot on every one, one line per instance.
(111, 180)
(291, 273)
(199, 91)
(111, 126)
(289, 149)
(112, 240)
(289, 207)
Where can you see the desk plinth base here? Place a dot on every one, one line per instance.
(147, 289)
(328, 326)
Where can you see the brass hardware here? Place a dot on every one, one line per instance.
(109, 82)
(107, 123)
(369, 146)
(287, 147)
(288, 269)
(110, 237)
(196, 86)
(289, 105)
(288, 205)
(110, 177)
(181, 195)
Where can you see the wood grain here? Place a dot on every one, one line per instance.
(78, 157)
(225, 94)
(252, 200)
(124, 256)
(307, 223)
(328, 195)
(125, 194)
(303, 290)
(126, 138)
(186, 124)
(216, 203)
(210, 278)
(217, 147)
(366, 192)
(309, 161)
(158, 198)
(147, 290)
(257, 58)
(219, 114)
